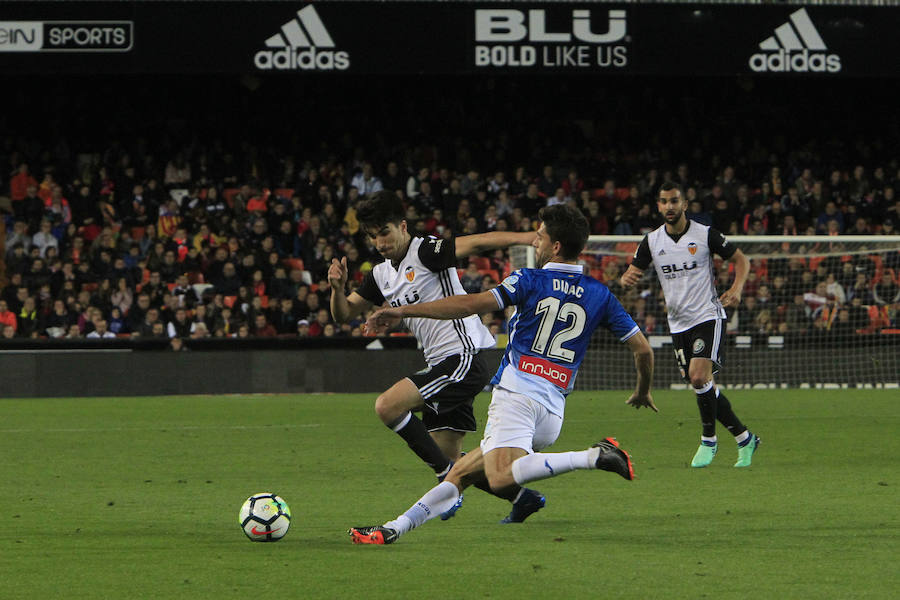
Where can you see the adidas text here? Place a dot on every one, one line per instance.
(802, 61)
(301, 58)
(302, 43)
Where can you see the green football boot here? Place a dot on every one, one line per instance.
(745, 452)
(705, 454)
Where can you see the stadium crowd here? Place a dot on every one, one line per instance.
(202, 238)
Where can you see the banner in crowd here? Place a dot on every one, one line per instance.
(447, 37)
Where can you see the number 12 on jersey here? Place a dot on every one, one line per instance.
(550, 310)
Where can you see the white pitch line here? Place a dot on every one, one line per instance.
(161, 428)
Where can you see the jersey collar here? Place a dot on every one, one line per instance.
(555, 266)
(677, 236)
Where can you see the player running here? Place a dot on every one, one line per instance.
(557, 310)
(415, 270)
(681, 250)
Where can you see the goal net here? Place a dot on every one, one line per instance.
(817, 311)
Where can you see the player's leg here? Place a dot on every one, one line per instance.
(699, 344)
(448, 414)
(449, 441)
(438, 500)
(706, 349)
(517, 425)
(394, 407)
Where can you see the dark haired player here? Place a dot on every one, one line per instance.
(415, 270)
(682, 252)
(557, 310)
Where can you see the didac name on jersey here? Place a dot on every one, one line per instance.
(560, 285)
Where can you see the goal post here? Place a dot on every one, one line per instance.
(817, 312)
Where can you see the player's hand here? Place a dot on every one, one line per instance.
(630, 277)
(730, 298)
(337, 273)
(639, 400)
(382, 320)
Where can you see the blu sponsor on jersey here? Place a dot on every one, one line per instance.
(517, 38)
(796, 47)
(304, 44)
(66, 36)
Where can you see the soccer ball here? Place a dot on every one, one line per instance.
(265, 517)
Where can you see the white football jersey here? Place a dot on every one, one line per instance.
(427, 273)
(685, 268)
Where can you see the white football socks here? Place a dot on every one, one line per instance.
(436, 501)
(533, 467)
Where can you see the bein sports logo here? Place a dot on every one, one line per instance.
(796, 47)
(555, 374)
(298, 46)
(66, 36)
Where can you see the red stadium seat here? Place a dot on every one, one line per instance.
(293, 264)
(481, 262)
(493, 273)
(285, 193)
(229, 194)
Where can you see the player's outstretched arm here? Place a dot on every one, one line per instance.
(343, 307)
(732, 296)
(466, 245)
(454, 307)
(643, 363)
(631, 276)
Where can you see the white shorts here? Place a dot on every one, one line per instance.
(516, 421)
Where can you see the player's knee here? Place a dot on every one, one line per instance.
(385, 409)
(699, 380)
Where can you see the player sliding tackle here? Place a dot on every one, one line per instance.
(557, 310)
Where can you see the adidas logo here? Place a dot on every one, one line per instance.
(662, 253)
(796, 47)
(298, 46)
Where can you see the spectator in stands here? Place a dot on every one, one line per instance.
(8, 332)
(884, 292)
(27, 319)
(261, 328)
(302, 328)
(831, 213)
(547, 183)
(57, 322)
(7, 317)
(117, 323)
(322, 318)
(151, 319)
(19, 236)
(20, 182)
(471, 279)
(798, 315)
(44, 238)
(101, 330)
(180, 326)
(414, 182)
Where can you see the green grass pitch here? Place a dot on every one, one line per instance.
(138, 498)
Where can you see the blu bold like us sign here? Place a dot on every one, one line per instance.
(588, 39)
